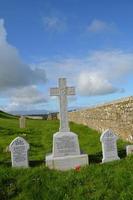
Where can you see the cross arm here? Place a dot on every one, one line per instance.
(70, 91)
(54, 92)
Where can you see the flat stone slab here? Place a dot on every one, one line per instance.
(129, 149)
(66, 162)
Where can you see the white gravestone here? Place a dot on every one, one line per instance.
(109, 146)
(129, 149)
(22, 122)
(66, 152)
(19, 152)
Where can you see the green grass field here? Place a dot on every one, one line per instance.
(97, 181)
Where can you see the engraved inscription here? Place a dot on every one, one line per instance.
(66, 145)
(20, 154)
(109, 145)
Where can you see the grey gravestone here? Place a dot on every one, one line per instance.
(66, 151)
(19, 152)
(22, 122)
(109, 146)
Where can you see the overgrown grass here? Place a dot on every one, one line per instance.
(97, 181)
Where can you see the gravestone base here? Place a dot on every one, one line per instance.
(66, 162)
(66, 152)
(110, 159)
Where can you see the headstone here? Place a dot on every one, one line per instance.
(22, 122)
(19, 152)
(109, 146)
(66, 152)
(129, 149)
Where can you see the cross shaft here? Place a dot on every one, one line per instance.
(62, 92)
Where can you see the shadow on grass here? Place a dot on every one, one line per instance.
(97, 157)
(32, 163)
(93, 159)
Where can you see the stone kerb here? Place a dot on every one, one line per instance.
(109, 146)
(19, 152)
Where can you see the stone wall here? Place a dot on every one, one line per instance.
(117, 115)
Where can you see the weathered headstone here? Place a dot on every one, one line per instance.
(66, 152)
(19, 152)
(22, 122)
(109, 146)
(129, 149)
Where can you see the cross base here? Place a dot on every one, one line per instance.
(66, 152)
(67, 162)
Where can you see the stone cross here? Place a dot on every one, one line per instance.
(62, 92)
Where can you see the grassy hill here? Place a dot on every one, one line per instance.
(6, 115)
(96, 181)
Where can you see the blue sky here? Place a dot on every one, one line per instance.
(87, 41)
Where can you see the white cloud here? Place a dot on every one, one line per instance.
(3, 33)
(25, 98)
(91, 84)
(99, 73)
(54, 23)
(28, 95)
(97, 26)
(13, 72)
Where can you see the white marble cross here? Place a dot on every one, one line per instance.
(63, 91)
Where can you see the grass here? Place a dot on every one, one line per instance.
(6, 115)
(97, 181)
(39, 135)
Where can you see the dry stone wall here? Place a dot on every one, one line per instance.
(117, 115)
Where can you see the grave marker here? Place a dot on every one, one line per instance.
(19, 152)
(129, 149)
(66, 151)
(109, 146)
(22, 122)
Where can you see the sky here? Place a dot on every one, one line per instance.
(89, 42)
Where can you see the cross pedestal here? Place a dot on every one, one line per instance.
(66, 152)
